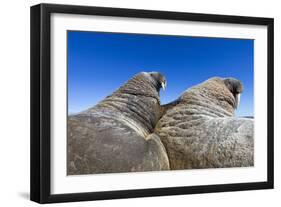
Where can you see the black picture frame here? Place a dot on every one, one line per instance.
(41, 96)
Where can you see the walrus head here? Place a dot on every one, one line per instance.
(235, 87)
(158, 80)
(218, 95)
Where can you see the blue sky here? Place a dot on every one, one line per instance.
(99, 63)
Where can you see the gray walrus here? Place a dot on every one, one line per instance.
(115, 135)
(199, 129)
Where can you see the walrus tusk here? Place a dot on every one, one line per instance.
(237, 99)
(163, 84)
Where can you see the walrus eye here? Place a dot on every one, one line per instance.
(237, 100)
(164, 84)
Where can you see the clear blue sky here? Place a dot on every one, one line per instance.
(99, 63)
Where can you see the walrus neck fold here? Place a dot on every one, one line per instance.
(141, 85)
(212, 95)
(137, 101)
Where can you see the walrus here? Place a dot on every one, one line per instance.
(199, 129)
(116, 134)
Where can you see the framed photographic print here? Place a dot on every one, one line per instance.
(133, 103)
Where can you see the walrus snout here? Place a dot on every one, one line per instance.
(235, 87)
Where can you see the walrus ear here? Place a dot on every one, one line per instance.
(235, 87)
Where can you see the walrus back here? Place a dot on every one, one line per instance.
(101, 144)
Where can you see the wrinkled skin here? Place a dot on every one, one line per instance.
(115, 135)
(199, 129)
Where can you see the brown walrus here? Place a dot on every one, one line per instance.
(199, 129)
(115, 135)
